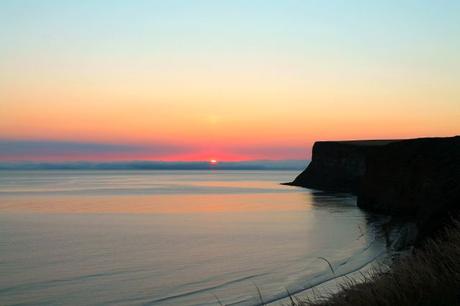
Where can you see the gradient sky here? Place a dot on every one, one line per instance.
(228, 80)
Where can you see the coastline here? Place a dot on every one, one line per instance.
(398, 244)
(426, 276)
(415, 178)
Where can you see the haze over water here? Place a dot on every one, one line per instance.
(171, 237)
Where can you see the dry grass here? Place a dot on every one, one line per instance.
(430, 276)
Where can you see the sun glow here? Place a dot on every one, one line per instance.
(244, 95)
(213, 162)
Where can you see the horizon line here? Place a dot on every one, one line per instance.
(156, 165)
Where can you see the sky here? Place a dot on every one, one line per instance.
(226, 80)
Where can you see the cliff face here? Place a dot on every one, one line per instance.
(417, 177)
(338, 165)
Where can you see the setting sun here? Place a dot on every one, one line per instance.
(229, 152)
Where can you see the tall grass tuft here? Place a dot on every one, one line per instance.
(329, 264)
(429, 276)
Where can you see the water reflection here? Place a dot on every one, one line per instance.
(172, 248)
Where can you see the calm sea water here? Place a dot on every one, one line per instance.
(172, 237)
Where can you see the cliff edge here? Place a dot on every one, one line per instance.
(338, 165)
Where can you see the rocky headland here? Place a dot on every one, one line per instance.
(419, 178)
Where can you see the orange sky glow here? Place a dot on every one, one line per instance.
(252, 90)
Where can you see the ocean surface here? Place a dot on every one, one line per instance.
(173, 237)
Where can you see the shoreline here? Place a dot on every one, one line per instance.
(399, 244)
(426, 276)
(412, 178)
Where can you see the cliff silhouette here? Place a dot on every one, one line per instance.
(419, 178)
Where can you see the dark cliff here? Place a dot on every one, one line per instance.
(415, 177)
(338, 165)
(418, 177)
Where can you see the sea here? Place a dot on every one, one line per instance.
(150, 237)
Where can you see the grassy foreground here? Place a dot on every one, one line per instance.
(429, 276)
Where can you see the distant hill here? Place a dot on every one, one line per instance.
(158, 165)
